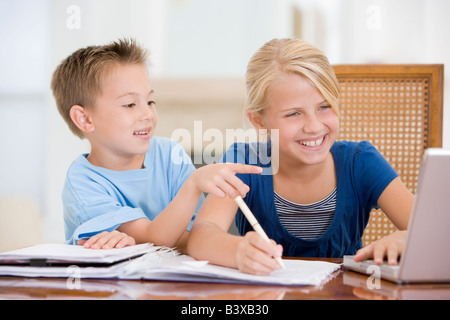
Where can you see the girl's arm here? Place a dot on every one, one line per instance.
(209, 240)
(396, 201)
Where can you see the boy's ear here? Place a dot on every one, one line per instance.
(256, 119)
(81, 119)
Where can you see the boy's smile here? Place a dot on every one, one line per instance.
(123, 118)
(143, 134)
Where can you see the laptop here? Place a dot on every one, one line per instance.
(426, 254)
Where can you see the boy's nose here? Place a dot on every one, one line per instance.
(147, 112)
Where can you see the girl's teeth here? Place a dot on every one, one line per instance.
(313, 143)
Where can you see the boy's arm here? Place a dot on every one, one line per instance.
(169, 226)
(92, 210)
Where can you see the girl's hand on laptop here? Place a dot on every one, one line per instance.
(390, 246)
(220, 179)
(108, 240)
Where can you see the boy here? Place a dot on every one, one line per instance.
(131, 187)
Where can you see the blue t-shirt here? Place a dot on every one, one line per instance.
(362, 175)
(96, 199)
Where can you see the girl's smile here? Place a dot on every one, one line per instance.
(313, 143)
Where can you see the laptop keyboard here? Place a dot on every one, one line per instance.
(383, 265)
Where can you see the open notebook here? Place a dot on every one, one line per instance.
(148, 262)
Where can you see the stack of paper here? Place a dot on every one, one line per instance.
(63, 254)
(158, 263)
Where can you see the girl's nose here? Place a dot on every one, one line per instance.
(313, 124)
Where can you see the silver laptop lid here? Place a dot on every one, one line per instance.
(426, 256)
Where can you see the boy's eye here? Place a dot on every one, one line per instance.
(151, 103)
(293, 114)
(130, 105)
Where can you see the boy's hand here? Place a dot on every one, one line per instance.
(390, 246)
(220, 179)
(108, 240)
(256, 256)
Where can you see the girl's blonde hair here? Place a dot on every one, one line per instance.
(282, 56)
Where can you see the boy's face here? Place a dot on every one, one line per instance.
(124, 118)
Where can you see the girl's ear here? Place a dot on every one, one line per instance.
(256, 119)
(81, 119)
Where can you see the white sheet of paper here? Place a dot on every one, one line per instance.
(297, 272)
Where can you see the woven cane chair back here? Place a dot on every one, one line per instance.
(398, 108)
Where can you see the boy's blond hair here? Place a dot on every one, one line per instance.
(79, 78)
(281, 56)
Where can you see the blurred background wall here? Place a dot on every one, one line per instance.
(199, 51)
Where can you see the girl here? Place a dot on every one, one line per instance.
(318, 201)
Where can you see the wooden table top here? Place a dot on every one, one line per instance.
(342, 285)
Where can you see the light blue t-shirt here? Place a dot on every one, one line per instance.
(96, 199)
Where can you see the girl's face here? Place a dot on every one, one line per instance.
(307, 124)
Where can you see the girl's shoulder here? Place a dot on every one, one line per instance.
(347, 149)
(360, 158)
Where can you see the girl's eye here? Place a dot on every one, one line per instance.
(293, 114)
(151, 103)
(325, 107)
(130, 105)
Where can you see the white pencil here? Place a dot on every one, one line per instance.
(255, 224)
